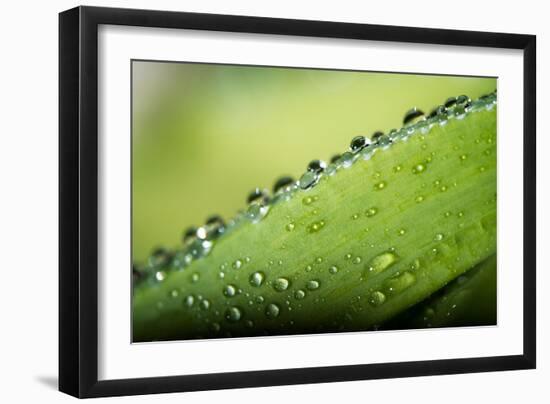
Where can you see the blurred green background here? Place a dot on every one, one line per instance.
(204, 135)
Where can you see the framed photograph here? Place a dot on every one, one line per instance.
(251, 201)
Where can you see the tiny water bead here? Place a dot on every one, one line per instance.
(380, 185)
(412, 116)
(419, 199)
(290, 226)
(308, 200)
(397, 168)
(283, 183)
(375, 137)
(215, 226)
(316, 166)
(257, 278)
(370, 212)
(272, 310)
(195, 277)
(419, 168)
(401, 232)
(450, 102)
(346, 159)
(355, 216)
(333, 269)
(257, 211)
(230, 290)
(173, 293)
(233, 314)
(281, 284)
(237, 264)
(357, 260)
(377, 298)
(438, 237)
(381, 262)
(313, 284)
(335, 158)
(316, 226)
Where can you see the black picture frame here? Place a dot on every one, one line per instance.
(78, 200)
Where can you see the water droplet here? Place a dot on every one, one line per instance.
(290, 226)
(399, 282)
(258, 195)
(237, 264)
(316, 226)
(401, 232)
(257, 211)
(308, 179)
(380, 186)
(348, 256)
(189, 235)
(335, 158)
(443, 188)
(412, 116)
(346, 159)
(419, 168)
(448, 214)
(257, 278)
(333, 269)
(316, 166)
(308, 200)
(438, 237)
(381, 262)
(376, 136)
(450, 102)
(463, 157)
(282, 184)
(189, 301)
(160, 276)
(370, 212)
(377, 298)
(174, 293)
(299, 294)
(233, 314)
(205, 304)
(357, 260)
(195, 277)
(230, 290)
(358, 143)
(281, 284)
(272, 310)
(313, 284)
(309, 268)
(355, 216)
(419, 199)
(397, 168)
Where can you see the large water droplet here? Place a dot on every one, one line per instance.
(358, 143)
(316, 166)
(412, 116)
(299, 294)
(381, 262)
(230, 290)
(313, 284)
(272, 310)
(377, 298)
(233, 314)
(281, 284)
(257, 278)
(399, 282)
(283, 184)
(308, 179)
(258, 195)
(257, 211)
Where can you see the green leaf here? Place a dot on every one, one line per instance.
(412, 213)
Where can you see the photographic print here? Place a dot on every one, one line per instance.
(281, 201)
